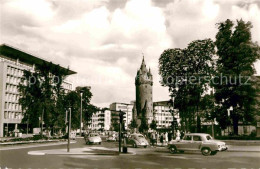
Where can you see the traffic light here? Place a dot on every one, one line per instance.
(121, 116)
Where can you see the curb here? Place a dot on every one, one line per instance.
(29, 142)
(4, 148)
(68, 153)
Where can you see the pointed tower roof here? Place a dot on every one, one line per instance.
(143, 66)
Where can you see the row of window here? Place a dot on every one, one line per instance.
(162, 114)
(164, 122)
(14, 71)
(12, 97)
(13, 106)
(11, 88)
(12, 115)
(159, 126)
(13, 79)
(166, 110)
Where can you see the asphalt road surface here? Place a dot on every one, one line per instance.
(144, 158)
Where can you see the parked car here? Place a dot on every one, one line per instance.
(111, 138)
(197, 142)
(137, 140)
(93, 138)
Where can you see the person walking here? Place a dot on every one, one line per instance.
(153, 138)
(178, 135)
(161, 138)
(166, 138)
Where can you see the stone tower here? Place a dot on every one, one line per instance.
(144, 93)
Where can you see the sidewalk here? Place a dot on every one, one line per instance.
(81, 151)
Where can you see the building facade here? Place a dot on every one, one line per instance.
(101, 120)
(163, 115)
(126, 108)
(144, 93)
(13, 62)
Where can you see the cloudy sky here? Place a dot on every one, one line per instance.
(103, 40)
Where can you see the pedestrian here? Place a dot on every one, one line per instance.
(178, 135)
(161, 138)
(182, 134)
(153, 139)
(166, 138)
(170, 136)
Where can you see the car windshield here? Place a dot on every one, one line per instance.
(208, 137)
(93, 135)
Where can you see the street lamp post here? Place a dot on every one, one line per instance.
(80, 113)
(69, 126)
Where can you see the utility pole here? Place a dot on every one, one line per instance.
(69, 126)
(81, 93)
(212, 128)
(42, 122)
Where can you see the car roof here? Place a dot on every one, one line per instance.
(136, 134)
(197, 134)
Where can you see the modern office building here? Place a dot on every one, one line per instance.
(162, 114)
(126, 108)
(13, 62)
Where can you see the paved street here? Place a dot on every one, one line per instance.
(18, 157)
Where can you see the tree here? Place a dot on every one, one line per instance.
(143, 128)
(187, 73)
(233, 82)
(40, 90)
(133, 124)
(72, 100)
(153, 125)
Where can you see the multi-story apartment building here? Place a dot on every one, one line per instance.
(127, 108)
(13, 62)
(162, 112)
(107, 122)
(101, 120)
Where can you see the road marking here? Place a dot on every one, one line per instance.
(36, 153)
(183, 157)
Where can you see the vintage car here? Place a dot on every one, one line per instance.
(197, 142)
(137, 140)
(111, 138)
(93, 138)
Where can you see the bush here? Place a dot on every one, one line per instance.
(39, 137)
(252, 136)
(253, 133)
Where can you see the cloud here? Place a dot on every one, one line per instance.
(103, 40)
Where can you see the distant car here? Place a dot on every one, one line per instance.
(93, 138)
(111, 138)
(137, 140)
(73, 135)
(197, 142)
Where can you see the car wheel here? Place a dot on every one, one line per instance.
(145, 146)
(173, 149)
(99, 143)
(206, 151)
(213, 153)
(134, 145)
